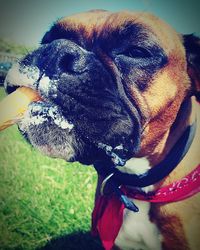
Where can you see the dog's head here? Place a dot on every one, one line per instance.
(107, 81)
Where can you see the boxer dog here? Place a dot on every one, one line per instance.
(118, 91)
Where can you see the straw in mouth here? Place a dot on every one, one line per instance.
(13, 106)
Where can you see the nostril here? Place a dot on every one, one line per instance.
(66, 63)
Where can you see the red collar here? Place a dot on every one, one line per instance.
(107, 215)
(176, 191)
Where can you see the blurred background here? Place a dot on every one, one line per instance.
(25, 21)
(45, 203)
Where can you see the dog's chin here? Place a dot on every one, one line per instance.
(47, 130)
(53, 135)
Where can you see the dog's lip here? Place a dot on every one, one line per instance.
(22, 75)
(29, 76)
(42, 111)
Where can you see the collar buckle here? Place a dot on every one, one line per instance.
(118, 192)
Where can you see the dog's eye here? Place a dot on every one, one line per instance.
(137, 52)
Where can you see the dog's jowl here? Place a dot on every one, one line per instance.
(120, 91)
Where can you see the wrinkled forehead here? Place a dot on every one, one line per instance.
(87, 26)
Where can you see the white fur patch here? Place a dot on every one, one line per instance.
(137, 231)
(137, 166)
(22, 76)
(47, 85)
(45, 82)
(38, 114)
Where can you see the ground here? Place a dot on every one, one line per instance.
(44, 203)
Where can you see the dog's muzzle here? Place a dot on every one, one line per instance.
(84, 110)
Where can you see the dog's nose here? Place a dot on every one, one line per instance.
(66, 62)
(68, 57)
(59, 56)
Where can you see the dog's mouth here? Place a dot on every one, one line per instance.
(42, 116)
(80, 115)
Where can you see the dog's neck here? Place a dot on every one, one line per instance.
(185, 117)
(186, 165)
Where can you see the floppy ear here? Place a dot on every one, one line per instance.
(192, 46)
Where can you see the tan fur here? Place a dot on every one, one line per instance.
(167, 92)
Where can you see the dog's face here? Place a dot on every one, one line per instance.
(107, 80)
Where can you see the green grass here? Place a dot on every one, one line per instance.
(44, 203)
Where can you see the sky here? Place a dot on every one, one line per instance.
(25, 21)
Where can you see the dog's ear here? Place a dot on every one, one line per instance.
(192, 46)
